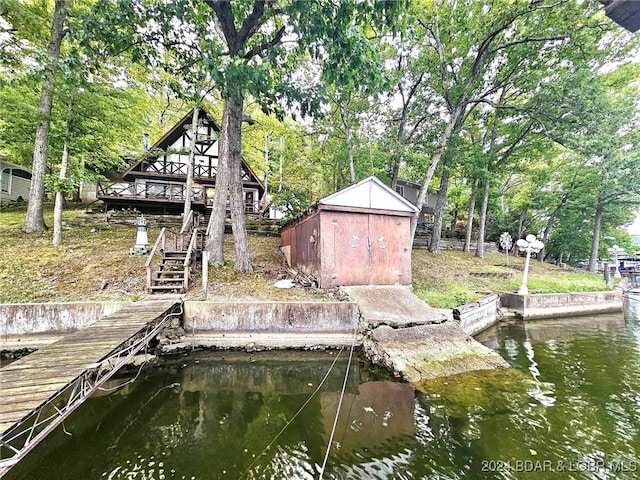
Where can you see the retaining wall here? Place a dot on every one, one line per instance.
(479, 315)
(36, 324)
(561, 304)
(257, 325)
(32, 318)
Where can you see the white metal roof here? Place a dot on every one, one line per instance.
(369, 193)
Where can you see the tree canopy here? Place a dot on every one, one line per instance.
(521, 114)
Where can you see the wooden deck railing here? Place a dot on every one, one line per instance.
(170, 168)
(164, 192)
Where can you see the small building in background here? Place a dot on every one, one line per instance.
(15, 182)
(409, 190)
(360, 235)
(625, 13)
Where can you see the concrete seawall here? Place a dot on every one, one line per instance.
(561, 304)
(479, 315)
(262, 325)
(38, 324)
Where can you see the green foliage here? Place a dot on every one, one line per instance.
(56, 184)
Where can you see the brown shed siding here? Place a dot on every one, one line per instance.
(360, 235)
(301, 244)
(345, 248)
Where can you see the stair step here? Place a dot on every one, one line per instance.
(168, 273)
(178, 254)
(166, 288)
(168, 279)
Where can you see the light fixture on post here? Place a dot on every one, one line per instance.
(529, 245)
(616, 250)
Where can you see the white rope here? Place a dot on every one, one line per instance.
(295, 414)
(335, 420)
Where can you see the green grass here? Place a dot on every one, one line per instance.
(454, 278)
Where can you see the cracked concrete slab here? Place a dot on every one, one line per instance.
(393, 305)
(429, 351)
(404, 334)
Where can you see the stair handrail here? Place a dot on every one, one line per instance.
(188, 260)
(187, 227)
(209, 224)
(159, 245)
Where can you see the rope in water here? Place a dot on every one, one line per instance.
(335, 420)
(290, 421)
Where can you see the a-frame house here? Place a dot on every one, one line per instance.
(156, 183)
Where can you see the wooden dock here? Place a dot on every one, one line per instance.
(40, 390)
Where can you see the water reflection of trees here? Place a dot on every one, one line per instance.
(225, 411)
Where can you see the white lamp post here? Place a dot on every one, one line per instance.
(529, 245)
(616, 250)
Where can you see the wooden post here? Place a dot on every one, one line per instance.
(205, 273)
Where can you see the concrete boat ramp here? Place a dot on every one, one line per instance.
(414, 340)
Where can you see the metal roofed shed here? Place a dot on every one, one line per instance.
(360, 235)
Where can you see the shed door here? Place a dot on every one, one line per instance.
(389, 254)
(367, 249)
(346, 250)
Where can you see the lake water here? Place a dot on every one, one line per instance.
(568, 409)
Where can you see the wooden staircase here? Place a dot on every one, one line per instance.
(175, 258)
(169, 276)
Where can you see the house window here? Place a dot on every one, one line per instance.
(400, 190)
(6, 180)
(21, 174)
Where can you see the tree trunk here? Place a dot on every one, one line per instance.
(188, 186)
(482, 219)
(451, 128)
(523, 215)
(34, 221)
(234, 142)
(64, 162)
(263, 200)
(546, 233)
(348, 143)
(215, 238)
(595, 244)
(280, 185)
(395, 170)
(472, 206)
(441, 204)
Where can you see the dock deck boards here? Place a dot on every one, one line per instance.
(31, 381)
